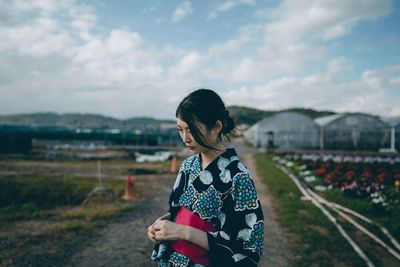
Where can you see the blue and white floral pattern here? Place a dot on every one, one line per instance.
(194, 169)
(245, 193)
(242, 167)
(206, 177)
(256, 239)
(225, 176)
(163, 263)
(179, 260)
(208, 204)
(223, 163)
(188, 197)
(254, 235)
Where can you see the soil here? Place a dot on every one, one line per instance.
(124, 242)
(275, 251)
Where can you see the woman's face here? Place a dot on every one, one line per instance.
(209, 136)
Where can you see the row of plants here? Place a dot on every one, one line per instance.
(378, 181)
(311, 239)
(347, 184)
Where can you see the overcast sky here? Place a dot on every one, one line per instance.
(125, 58)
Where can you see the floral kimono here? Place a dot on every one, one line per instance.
(224, 195)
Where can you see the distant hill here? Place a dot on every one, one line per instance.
(77, 120)
(251, 115)
(243, 115)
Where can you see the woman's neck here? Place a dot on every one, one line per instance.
(208, 156)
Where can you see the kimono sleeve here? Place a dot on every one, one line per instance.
(240, 240)
(177, 188)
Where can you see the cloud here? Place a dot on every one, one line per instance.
(266, 62)
(43, 32)
(40, 37)
(44, 6)
(188, 65)
(228, 5)
(59, 59)
(395, 80)
(245, 36)
(324, 20)
(149, 9)
(182, 11)
(338, 65)
(387, 77)
(323, 91)
(47, 60)
(291, 40)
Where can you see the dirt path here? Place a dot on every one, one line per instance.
(275, 250)
(124, 242)
(276, 253)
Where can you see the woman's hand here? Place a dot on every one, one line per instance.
(167, 230)
(151, 232)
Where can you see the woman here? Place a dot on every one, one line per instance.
(215, 217)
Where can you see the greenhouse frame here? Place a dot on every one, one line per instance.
(284, 130)
(353, 131)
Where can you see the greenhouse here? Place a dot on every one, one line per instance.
(284, 130)
(353, 131)
(396, 140)
(394, 123)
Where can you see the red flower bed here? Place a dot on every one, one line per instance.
(359, 179)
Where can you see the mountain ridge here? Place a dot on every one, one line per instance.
(241, 114)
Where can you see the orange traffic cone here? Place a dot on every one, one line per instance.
(174, 167)
(129, 188)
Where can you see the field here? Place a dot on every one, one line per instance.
(42, 219)
(314, 240)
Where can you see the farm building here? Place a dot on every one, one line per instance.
(353, 131)
(284, 130)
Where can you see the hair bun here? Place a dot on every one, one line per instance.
(226, 113)
(229, 124)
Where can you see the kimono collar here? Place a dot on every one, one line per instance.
(229, 154)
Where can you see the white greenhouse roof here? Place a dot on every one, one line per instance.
(328, 119)
(392, 121)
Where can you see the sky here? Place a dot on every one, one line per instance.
(126, 59)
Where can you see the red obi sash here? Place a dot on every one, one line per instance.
(196, 253)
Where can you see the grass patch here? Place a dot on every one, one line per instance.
(364, 206)
(71, 226)
(43, 197)
(248, 143)
(32, 193)
(98, 212)
(313, 240)
(37, 197)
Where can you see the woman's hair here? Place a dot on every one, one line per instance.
(207, 107)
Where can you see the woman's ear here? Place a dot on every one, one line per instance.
(218, 127)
